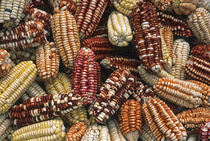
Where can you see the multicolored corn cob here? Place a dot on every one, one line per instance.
(5, 62)
(205, 132)
(114, 130)
(201, 51)
(184, 7)
(61, 5)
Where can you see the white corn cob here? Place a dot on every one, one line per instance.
(4, 126)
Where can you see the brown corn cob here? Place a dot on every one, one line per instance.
(101, 31)
(15, 83)
(85, 76)
(69, 5)
(51, 130)
(183, 93)
(144, 21)
(4, 126)
(130, 120)
(5, 62)
(48, 61)
(60, 85)
(66, 36)
(177, 26)
(162, 121)
(198, 69)
(76, 132)
(202, 52)
(146, 134)
(194, 118)
(88, 15)
(116, 90)
(204, 132)
(41, 108)
(184, 7)
(163, 5)
(27, 35)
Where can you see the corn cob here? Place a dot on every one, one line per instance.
(181, 53)
(130, 120)
(76, 115)
(101, 31)
(76, 132)
(119, 29)
(48, 61)
(184, 7)
(66, 36)
(15, 83)
(183, 93)
(61, 5)
(26, 35)
(5, 62)
(41, 108)
(194, 118)
(177, 25)
(114, 131)
(146, 134)
(11, 12)
(163, 5)
(204, 3)
(4, 126)
(204, 132)
(60, 85)
(147, 36)
(199, 24)
(88, 15)
(201, 51)
(116, 90)
(36, 3)
(198, 69)
(51, 130)
(162, 121)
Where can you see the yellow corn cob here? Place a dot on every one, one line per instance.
(60, 85)
(65, 34)
(181, 51)
(119, 29)
(51, 130)
(5, 62)
(4, 126)
(146, 134)
(15, 83)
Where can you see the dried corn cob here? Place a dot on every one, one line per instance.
(184, 7)
(204, 132)
(201, 51)
(61, 5)
(198, 69)
(15, 83)
(101, 31)
(48, 61)
(11, 12)
(130, 120)
(183, 93)
(85, 76)
(114, 131)
(4, 126)
(162, 121)
(76, 115)
(204, 3)
(60, 85)
(163, 4)
(5, 62)
(199, 24)
(194, 118)
(41, 108)
(177, 26)
(119, 29)
(36, 3)
(51, 130)
(66, 36)
(181, 53)
(88, 15)
(76, 132)
(116, 90)
(26, 35)
(144, 21)
(146, 134)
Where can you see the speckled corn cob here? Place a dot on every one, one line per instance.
(184, 7)
(144, 22)
(181, 51)
(200, 25)
(146, 134)
(198, 69)
(76, 132)
(201, 51)
(15, 83)
(114, 131)
(4, 126)
(204, 132)
(48, 61)
(204, 3)
(65, 34)
(130, 120)
(183, 93)
(60, 85)
(51, 130)
(5, 62)
(69, 5)
(41, 108)
(163, 4)
(88, 15)
(119, 29)
(194, 118)
(162, 121)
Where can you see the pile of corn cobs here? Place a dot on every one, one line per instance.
(105, 70)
